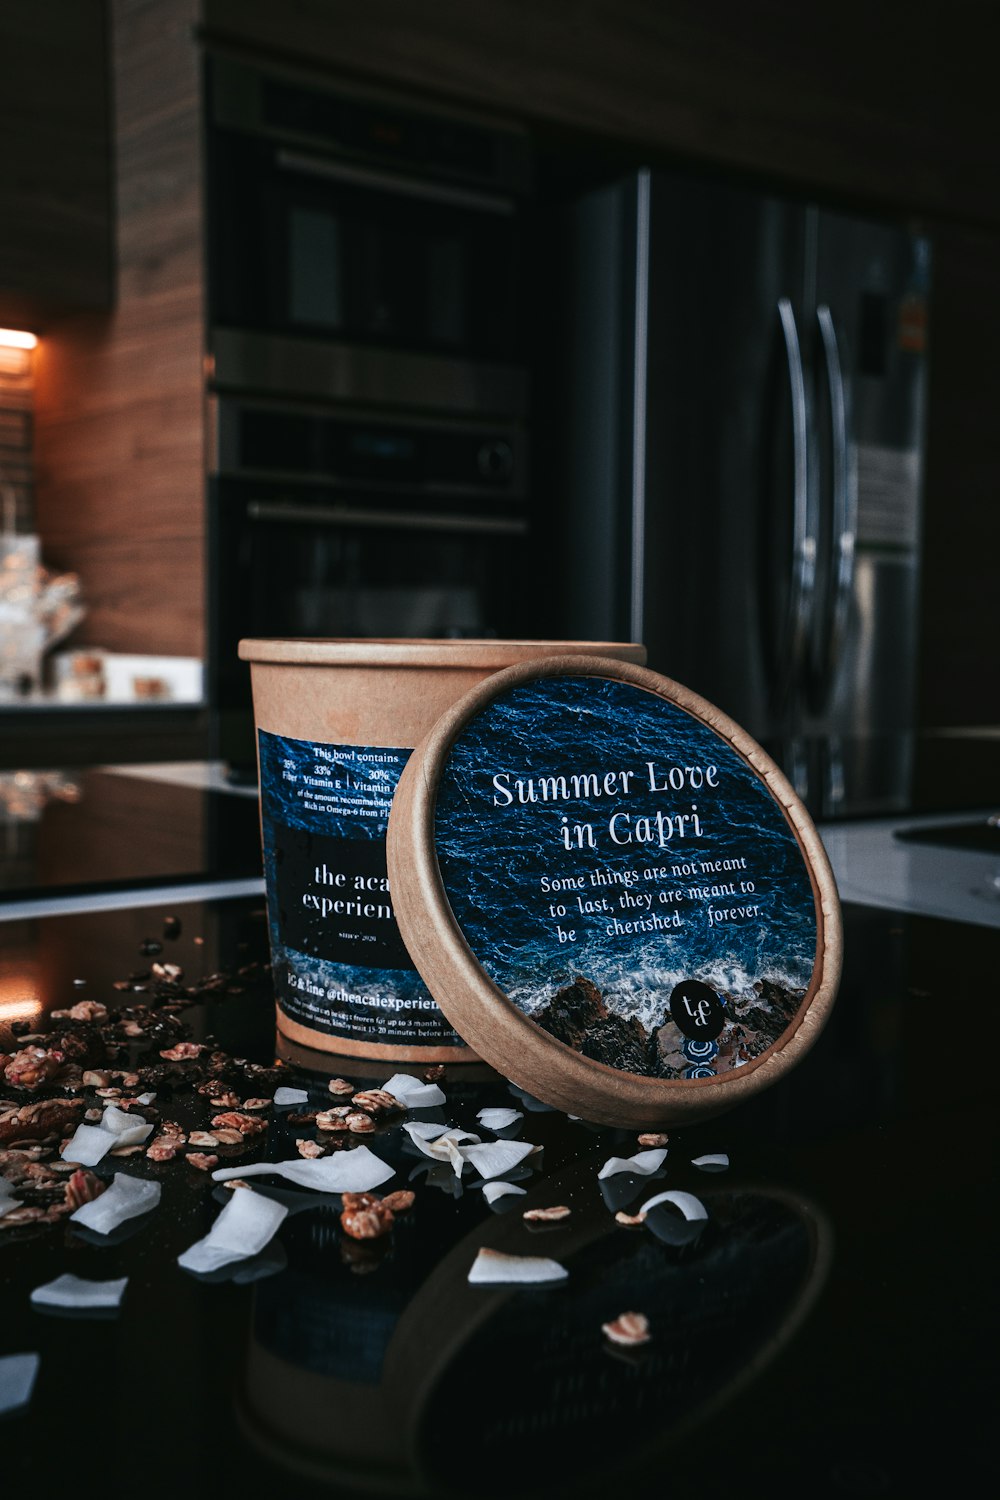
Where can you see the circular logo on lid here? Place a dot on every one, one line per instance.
(697, 1010)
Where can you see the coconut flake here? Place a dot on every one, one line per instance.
(244, 1227)
(91, 1143)
(716, 1161)
(355, 1171)
(17, 1380)
(499, 1119)
(494, 1268)
(643, 1163)
(126, 1198)
(76, 1293)
(426, 1130)
(494, 1190)
(444, 1145)
(125, 1126)
(497, 1157)
(88, 1145)
(691, 1207)
(413, 1094)
(285, 1095)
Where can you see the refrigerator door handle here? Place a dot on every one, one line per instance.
(802, 581)
(843, 514)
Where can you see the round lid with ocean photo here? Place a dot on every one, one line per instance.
(626, 877)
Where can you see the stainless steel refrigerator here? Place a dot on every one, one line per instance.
(746, 392)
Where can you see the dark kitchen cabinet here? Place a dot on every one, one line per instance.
(893, 104)
(55, 160)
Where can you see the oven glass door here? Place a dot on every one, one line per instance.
(306, 246)
(307, 562)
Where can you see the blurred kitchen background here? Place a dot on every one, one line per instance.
(643, 320)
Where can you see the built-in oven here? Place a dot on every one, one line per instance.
(368, 376)
(333, 522)
(346, 231)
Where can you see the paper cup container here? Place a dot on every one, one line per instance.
(336, 722)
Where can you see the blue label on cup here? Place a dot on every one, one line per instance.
(338, 960)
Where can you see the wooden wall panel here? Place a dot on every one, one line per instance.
(119, 404)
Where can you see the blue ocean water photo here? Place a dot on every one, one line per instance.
(589, 828)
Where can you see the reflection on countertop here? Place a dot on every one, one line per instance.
(91, 836)
(798, 1339)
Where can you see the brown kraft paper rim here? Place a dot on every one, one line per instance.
(489, 654)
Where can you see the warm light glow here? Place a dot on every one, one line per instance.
(20, 1010)
(15, 338)
(19, 997)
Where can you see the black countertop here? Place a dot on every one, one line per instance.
(831, 1332)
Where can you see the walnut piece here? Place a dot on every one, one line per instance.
(376, 1102)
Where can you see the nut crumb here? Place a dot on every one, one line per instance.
(204, 1161)
(340, 1086)
(546, 1215)
(632, 1221)
(234, 1119)
(367, 1223)
(653, 1138)
(358, 1123)
(309, 1149)
(400, 1202)
(83, 1187)
(628, 1329)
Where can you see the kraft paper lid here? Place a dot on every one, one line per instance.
(613, 893)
